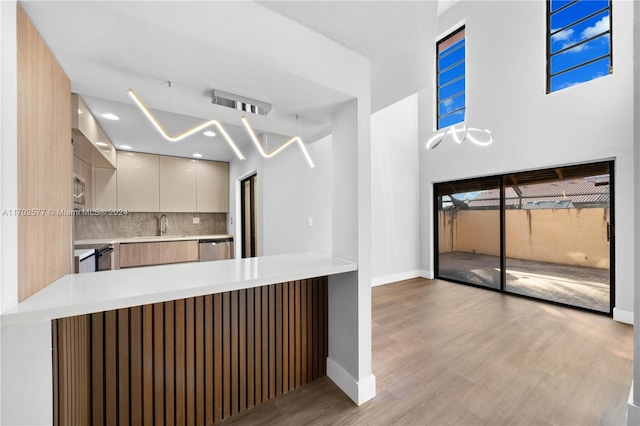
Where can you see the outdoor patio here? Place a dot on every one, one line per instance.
(571, 285)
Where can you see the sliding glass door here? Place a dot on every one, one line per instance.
(557, 225)
(546, 234)
(469, 232)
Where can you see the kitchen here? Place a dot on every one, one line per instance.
(185, 277)
(150, 210)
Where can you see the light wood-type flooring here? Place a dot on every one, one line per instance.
(447, 353)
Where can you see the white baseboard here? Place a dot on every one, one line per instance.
(392, 278)
(429, 275)
(360, 392)
(633, 411)
(622, 316)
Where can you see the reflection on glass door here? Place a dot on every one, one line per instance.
(469, 232)
(558, 235)
(547, 234)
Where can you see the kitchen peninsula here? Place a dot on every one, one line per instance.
(198, 341)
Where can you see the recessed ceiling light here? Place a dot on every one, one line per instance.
(79, 111)
(125, 147)
(102, 144)
(197, 155)
(110, 116)
(209, 133)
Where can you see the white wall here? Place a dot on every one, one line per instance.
(289, 192)
(506, 94)
(293, 192)
(633, 414)
(395, 220)
(9, 156)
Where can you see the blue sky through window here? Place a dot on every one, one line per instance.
(579, 42)
(451, 79)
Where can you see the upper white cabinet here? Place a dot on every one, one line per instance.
(138, 182)
(105, 189)
(90, 143)
(212, 187)
(158, 183)
(177, 184)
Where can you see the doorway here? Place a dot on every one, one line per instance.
(544, 234)
(249, 215)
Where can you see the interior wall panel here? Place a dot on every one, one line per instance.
(45, 169)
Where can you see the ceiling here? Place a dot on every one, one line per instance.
(397, 36)
(108, 47)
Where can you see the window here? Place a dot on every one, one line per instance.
(578, 42)
(450, 65)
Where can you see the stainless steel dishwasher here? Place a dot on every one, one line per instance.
(215, 249)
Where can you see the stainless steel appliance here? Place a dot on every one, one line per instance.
(216, 249)
(103, 254)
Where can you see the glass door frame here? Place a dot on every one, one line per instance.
(503, 256)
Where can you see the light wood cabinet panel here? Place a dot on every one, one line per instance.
(179, 251)
(44, 162)
(105, 184)
(138, 183)
(213, 187)
(140, 254)
(177, 184)
(158, 253)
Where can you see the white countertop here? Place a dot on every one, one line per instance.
(84, 253)
(151, 239)
(78, 294)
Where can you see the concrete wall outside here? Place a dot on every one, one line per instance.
(564, 236)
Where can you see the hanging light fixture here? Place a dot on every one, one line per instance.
(189, 132)
(295, 139)
(467, 134)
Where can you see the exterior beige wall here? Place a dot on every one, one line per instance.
(565, 236)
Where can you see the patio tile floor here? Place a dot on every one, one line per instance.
(571, 285)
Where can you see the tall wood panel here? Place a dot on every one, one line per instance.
(192, 361)
(45, 170)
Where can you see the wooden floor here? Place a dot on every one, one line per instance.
(447, 353)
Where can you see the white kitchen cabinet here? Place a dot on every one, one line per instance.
(177, 184)
(105, 194)
(138, 182)
(212, 187)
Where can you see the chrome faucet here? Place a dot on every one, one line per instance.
(163, 225)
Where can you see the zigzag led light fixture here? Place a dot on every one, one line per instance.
(466, 134)
(186, 133)
(280, 148)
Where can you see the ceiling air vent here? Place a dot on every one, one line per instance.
(240, 103)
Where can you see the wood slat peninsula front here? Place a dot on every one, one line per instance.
(197, 360)
(157, 253)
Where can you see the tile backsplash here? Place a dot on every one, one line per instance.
(147, 224)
